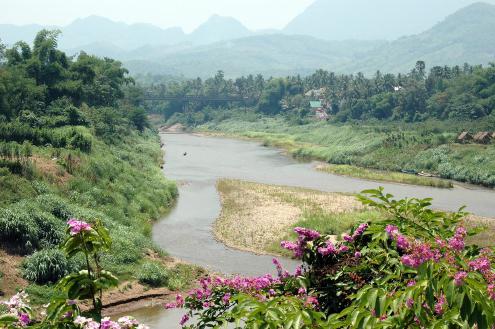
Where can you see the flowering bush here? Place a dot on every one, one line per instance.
(88, 284)
(411, 270)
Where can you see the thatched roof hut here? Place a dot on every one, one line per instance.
(483, 137)
(465, 136)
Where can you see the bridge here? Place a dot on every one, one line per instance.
(201, 99)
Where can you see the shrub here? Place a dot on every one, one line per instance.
(153, 274)
(410, 270)
(46, 266)
(18, 229)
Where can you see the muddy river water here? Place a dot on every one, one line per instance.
(197, 162)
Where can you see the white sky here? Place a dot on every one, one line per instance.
(188, 14)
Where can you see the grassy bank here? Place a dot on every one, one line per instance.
(119, 181)
(383, 176)
(391, 147)
(257, 217)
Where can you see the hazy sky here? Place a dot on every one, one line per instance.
(255, 14)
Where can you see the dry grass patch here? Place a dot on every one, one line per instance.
(256, 216)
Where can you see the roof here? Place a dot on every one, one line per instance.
(315, 104)
(482, 135)
(464, 135)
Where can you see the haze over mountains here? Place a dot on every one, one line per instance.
(338, 35)
(372, 20)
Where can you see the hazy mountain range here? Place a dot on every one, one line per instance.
(339, 35)
(372, 20)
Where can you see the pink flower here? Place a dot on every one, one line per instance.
(459, 278)
(357, 254)
(360, 230)
(311, 301)
(391, 230)
(343, 249)
(184, 319)
(179, 300)
(348, 238)
(77, 226)
(307, 234)
(24, 319)
(481, 264)
(491, 291)
(410, 303)
(439, 306)
(411, 283)
(329, 249)
(301, 291)
(402, 242)
(106, 323)
(226, 298)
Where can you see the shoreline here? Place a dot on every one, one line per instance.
(286, 151)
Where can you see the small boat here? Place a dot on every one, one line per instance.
(426, 174)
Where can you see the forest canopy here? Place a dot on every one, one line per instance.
(459, 93)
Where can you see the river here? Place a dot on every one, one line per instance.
(197, 162)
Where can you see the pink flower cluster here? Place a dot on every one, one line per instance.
(456, 243)
(331, 249)
(77, 226)
(357, 233)
(125, 322)
(439, 306)
(394, 234)
(17, 306)
(305, 235)
(419, 253)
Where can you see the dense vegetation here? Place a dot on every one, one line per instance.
(390, 122)
(71, 145)
(463, 93)
(410, 270)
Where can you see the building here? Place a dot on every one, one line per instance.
(320, 112)
(483, 137)
(464, 137)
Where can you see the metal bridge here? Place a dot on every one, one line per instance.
(194, 98)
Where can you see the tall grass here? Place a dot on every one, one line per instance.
(386, 146)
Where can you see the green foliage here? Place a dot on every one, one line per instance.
(290, 313)
(460, 93)
(46, 266)
(153, 274)
(410, 270)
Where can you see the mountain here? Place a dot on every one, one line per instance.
(99, 34)
(466, 36)
(372, 20)
(274, 54)
(95, 29)
(218, 28)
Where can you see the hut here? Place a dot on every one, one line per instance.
(483, 137)
(464, 137)
(318, 109)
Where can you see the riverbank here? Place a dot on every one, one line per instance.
(118, 181)
(422, 147)
(257, 217)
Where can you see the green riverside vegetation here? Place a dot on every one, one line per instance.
(71, 145)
